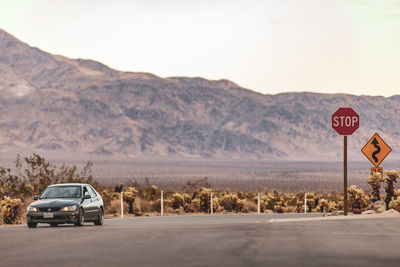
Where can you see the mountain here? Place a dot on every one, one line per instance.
(54, 104)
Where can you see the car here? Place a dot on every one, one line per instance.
(66, 203)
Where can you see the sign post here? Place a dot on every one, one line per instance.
(345, 121)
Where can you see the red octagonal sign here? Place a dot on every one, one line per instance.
(345, 121)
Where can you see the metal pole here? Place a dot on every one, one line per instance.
(122, 205)
(211, 202)
(258, 203)
(345, 174)
(162, 203)
(305, 203)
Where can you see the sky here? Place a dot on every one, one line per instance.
(269, 46)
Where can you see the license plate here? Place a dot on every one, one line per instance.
(48, 215)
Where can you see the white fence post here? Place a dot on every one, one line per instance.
(211, 203)
(258, 203)
(122, 205)
(162, 203)
(305, 203)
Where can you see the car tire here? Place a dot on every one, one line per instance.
(81, 218)
(100, 217)
(32, 225)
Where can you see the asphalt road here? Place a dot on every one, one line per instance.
(219, 240)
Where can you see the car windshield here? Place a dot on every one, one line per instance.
(62, 192)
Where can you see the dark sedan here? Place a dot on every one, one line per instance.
(66, 203)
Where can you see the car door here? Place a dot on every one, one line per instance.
(93, 209)
(96, 201)
(87, 204)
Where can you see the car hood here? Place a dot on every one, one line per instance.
(55, 202)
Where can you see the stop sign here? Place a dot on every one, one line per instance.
(345, 121)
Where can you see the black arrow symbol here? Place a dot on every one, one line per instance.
(378, 149)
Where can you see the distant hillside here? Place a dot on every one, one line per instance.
(55, 104)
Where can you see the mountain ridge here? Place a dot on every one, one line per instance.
(52, 103)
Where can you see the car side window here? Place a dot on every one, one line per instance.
(93, 191)
(86, 191)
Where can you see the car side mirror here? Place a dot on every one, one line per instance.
(35, 198)
(87, 196)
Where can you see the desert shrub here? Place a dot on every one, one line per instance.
(271, 202)
(148, 192)
(279, 207)
(250, 206)
(357, 199)
(311, 202)
(187, 200)
(177, 201)
(323, 205)
(229, 202)
(299, 206)
(156, 205)
(195, 205)
(332, 206)
(205, 199)
(395, 204)
(11, 210)
(129, 196)
(374, 181)
(33, 174)
(108, 196)
(143, 205)
(392, 177)
(292, 201)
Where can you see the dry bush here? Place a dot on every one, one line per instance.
(11, 210)
(375, 181)
(108, 196)
(323, 205)
(332, 206)
(300, 206)
(143, 205)
(395, 204)
(205, 199)
(392, 177)
(195, 205)
(358, 200)
(311, 202)
(280, 207)
(156, 205)
(291, 209)
(114, 207)
(250, 206)
(177, 201)
(129, 196)
(229, 202)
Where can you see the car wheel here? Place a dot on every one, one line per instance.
(100, 217)
(32, 225)
(54, 224)
(81, 218)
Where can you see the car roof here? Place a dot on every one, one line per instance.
(73, 184)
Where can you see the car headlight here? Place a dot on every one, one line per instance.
(31, 208)
(69, 208)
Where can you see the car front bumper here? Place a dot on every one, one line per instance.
(58, 217)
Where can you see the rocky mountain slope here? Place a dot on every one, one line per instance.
(51, 103)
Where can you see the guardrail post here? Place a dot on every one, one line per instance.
(162, 203)
(122, 205)
(258, 203)
(305, 203)
(211, 203)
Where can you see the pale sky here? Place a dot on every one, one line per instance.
(270, 46)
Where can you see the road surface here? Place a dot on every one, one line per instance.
(204, 240)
